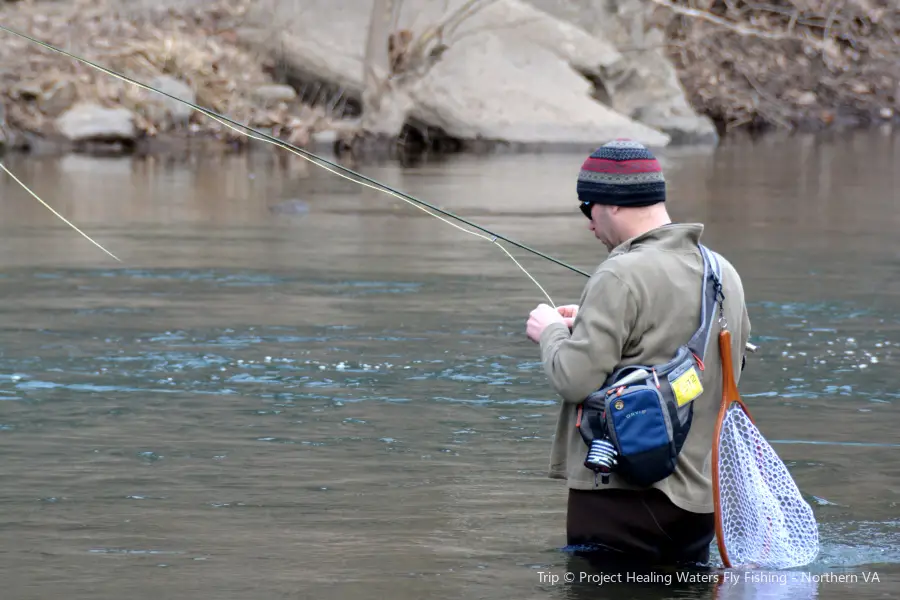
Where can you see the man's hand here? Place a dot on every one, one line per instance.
(538, 320)
(568, 312)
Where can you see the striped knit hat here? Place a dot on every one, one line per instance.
(623, 173)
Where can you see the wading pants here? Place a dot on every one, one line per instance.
(637, 526)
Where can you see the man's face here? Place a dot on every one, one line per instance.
(602, 225)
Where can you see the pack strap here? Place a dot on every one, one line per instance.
(713, 298)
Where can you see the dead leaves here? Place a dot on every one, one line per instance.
(197, 45)
(788, 61)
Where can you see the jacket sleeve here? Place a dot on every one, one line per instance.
(745, 336)
(578, 363)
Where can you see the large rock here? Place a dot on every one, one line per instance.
(89, 122)
(51, 94)
(643, 84)
(3, 135)
(512, 75)
(273, 94)
(171, 111)
(57, 97)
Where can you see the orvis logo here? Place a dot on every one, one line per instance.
(636, 413)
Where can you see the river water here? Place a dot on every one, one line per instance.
(335, 398)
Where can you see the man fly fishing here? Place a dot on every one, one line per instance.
(633, 379)
(638, 369)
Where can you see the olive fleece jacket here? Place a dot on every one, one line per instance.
(638, 307)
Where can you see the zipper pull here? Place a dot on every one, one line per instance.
(699, 362)
(655, 378)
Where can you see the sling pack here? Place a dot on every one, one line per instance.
(636, 424)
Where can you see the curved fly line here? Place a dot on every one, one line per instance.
(329, 166)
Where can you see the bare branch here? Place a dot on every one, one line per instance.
(736, 27)
(448, 24)
(467, 11)
(396, 10)
(510, 25)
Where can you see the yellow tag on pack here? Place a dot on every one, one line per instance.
(687, 386)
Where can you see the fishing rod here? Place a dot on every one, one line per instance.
(311, 157)
(342, 171)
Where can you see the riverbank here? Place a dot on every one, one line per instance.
(54, 103)
(228, 57)
(286, 82)
(787, 64)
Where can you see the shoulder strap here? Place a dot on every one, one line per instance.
(712, 295)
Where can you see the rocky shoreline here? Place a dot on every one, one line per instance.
(523, 74)
(50, 103)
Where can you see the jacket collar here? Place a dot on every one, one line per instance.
(671, 237)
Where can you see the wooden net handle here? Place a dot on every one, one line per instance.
(730, 395)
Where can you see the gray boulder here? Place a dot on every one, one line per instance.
(173, 112)
(57, 97)
(513, 74)
(87, 121)
(273, 94)
(642, 83)
(3, 134)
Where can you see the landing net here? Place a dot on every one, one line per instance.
(762, 519)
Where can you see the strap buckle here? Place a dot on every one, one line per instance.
(720, 300)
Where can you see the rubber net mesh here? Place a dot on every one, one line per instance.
(765, 520)
(766, 585)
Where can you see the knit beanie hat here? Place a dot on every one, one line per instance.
(622, 172)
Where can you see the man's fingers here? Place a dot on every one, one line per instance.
(569, 310)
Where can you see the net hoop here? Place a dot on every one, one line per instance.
(759, 511)
(730, 396)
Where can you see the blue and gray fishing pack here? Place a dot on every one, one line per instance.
(636, 424)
